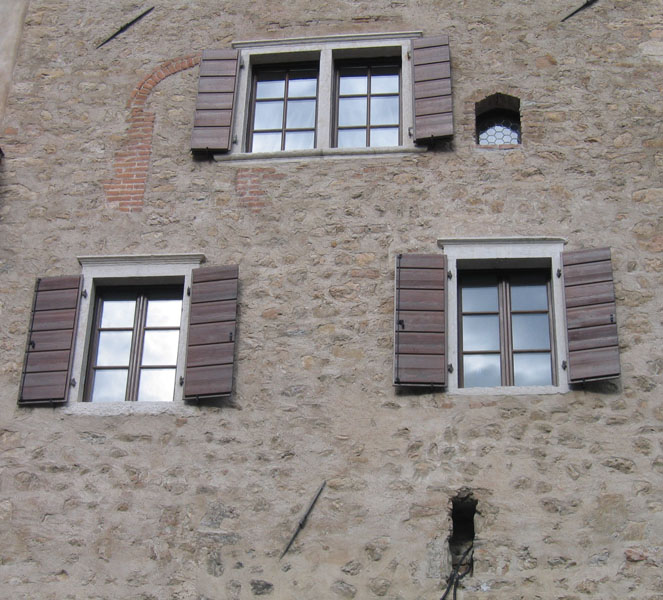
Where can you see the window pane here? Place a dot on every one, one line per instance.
(114, 348)
(385, 136)
(156, 385)
(481, 370)
(479, 299)
(160, 347)
(529, 297)
(384, 84)
(299, 140)
(481, 332)
(109, 386)
(384, 110)
(350, 85)
(164, 313)
(299, 88)
(266, 142)
(270, 89)
(530, 332)
(351, 111)
(301, 114)
(532, 369)
(269, 115)
(352, 138)
(118, 313)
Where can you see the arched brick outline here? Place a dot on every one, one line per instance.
(131, 162)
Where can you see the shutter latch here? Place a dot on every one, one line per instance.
(559, 273)
(564, 365)
(401, 323)
(84, 293)
(612, 318)
(450, 368)
(449, 274)
(181, 380)
(230, 336)
(72, 382)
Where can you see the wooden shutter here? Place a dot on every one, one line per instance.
(49, 353)
(212, 125)
(433, 116)
(420, 320)
(211, 342)
(591, 318)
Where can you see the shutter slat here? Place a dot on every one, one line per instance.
(216, 96)
(211, 336)
(431, 75)
(48, 356)
(420, 337)
(592, 334)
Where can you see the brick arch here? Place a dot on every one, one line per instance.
(126, 189)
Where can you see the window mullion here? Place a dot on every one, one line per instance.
(506, 346)
(136, 348)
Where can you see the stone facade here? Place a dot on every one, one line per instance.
(198, 502)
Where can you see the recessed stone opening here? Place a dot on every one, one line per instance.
(463, 509)
(498, 120)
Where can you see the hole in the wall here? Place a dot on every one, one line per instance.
(463, 509)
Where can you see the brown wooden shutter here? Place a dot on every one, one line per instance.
(212, 125)
(433, 116)
(211, 343)
(49, 353)
(420, 320)
(591, 318)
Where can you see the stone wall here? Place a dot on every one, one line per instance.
(199, 502)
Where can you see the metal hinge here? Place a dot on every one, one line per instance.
(450, 368)
(181, 380)
(559, 273)
(449, 274)
(72, 382)
(564, 365)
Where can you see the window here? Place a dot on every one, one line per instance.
(498, 315)
(323, 95)
(133, 354)
(147, 329)
(498, 120)
(368, 105)
(284, 108)
(505, 328)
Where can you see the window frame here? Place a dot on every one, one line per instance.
(326, 51)
(120, 271)
(506, 253)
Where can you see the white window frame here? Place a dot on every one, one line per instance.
(505, 253)
(146, 270)
(325, 50)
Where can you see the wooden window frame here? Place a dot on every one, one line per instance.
(503, 278)
(340, 65)
(142, 294)
(286, 69)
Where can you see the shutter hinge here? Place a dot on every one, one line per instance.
(32, 344)
(401, 324)
(410, 132)
(241, 63)
(450, 368)
(564, 365)
(234, 139)
(449, 274)
(72, 382)
(84, 293)
(612, 318)
(230, 336)
(559, 273)
(181, 380)
(188, 291)
(409, 54)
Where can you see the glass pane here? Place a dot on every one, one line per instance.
(266, 142)
(386, 136)
(353, 85)
(156, 385)
(160, 347)
(481, 332)
(299, 140)
(270, 89)
(301, 114)
(479, 299)
(114, 348)
(269, 115)
(384, 110)
(529, 297)
(351, 111)
(384, 84)
(164, 313)
(532, 369)
(109, 386)
(352, 138)
(299, 88)
(118, 313)
(481, 370)
(530, 332)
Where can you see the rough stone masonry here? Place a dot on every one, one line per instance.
(197, 502)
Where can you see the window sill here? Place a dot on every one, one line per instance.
(498, 146)
(119, 409)
(317, 153)
(523, 390)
